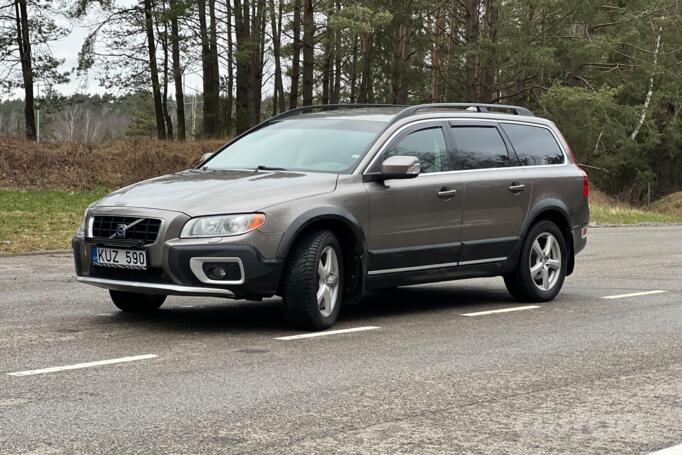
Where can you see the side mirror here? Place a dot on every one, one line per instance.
(400, 167)
(205, 157)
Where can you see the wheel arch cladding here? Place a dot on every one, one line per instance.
(555, 211)
(349, 233)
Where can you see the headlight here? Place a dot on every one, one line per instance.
(85, 219)
(86, 223)
(80, 232)
(222, 225)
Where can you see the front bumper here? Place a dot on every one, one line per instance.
(174, 276)
(153, 288)
(169, 261)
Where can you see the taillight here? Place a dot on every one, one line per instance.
(586, 185)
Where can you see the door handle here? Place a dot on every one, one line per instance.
(447, 193)
(517, 187)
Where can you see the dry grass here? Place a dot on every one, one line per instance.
(671, 204)
(75, 166)
(607, 210)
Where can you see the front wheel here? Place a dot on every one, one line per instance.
(312, 285)
(131, 302)
(540, 272)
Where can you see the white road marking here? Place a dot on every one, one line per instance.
(674, 450)
(104, 314)
(328, 332)
(78, 366)
(634, 294)
(504, 310)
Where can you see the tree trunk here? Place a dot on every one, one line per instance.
(471, 34)
(336, 92)
(296, 57)
(168, 123)
(650, 91)
(177, 72)
(215, 67)
(24, 43)
(327, 60)
(366, 89)
(354, 70)
(230, 71)
(210, 93)
(244, 107)
(258, 57)
(489, 68)
(276, 25)
(154, 71)
(437, 52)
(308, 51)
(400, 61)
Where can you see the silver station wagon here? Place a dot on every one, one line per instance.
(322, 203)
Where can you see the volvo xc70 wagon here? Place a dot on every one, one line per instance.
(320, 204)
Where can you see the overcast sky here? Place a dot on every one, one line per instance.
(68, 48)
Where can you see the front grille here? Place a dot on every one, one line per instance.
(144, 230)
(150, 275)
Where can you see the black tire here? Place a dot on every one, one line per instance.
(301, 280)
(519, 283)
(131, 302)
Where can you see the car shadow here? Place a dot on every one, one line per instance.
(416, 300)
(267, 316)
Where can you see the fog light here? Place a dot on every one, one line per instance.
(216, 272)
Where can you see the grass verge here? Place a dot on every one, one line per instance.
(600, 214)
(607, 210)
(41, 219)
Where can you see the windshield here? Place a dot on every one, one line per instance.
(322, 144)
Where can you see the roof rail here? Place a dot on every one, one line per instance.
(480, 107)
(328, 107)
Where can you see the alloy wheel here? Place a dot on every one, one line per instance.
(328, 281)
(545, 261)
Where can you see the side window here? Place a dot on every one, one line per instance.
(428, 145)
(534, 145)
(480, 147)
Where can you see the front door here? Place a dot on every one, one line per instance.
(414, 224)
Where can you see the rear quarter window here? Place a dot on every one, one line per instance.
(534, 145)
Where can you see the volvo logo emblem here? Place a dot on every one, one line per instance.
(120, 231)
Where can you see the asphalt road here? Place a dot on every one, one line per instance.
(581, 374)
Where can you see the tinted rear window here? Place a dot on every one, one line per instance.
(534, 145)
(479, 147)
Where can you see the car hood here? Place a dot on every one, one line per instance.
(205, 192)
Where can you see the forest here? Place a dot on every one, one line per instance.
(607, 72)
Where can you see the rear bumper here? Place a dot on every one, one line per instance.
(579, 238)
(173, 275)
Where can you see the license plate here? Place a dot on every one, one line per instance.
(116, 257)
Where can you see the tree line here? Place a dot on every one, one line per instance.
(606, 70)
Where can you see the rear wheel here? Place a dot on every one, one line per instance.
(131, 302)
(312, 285)
(540, 272)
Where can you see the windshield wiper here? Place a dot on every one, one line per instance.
(260, 167)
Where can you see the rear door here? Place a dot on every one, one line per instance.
(497, 191)
(415, 224)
